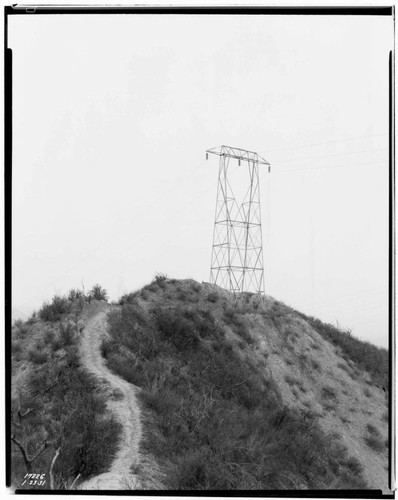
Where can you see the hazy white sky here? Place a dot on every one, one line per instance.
(112, 117)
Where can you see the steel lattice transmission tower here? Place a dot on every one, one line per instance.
(237, 254)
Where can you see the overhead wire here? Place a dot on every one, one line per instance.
(191, 174)
(136, 243)
(195, 172)
(341, 153)
(100, 246)
(346, 165)
(322, 143)
(199, 197)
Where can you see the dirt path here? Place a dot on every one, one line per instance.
(125, 409)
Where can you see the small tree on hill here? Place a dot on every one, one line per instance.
(98, 293)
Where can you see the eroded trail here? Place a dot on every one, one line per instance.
(125, 409)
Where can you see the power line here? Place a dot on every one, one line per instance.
(345, 153)
(194, 173)
(322, 143)
(136, 243)
(374, 163)
(100, 246)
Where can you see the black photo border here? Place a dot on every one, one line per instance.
(17, 10)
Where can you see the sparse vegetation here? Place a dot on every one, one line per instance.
(372, 430)
(238, 324)
(344, 367)
(329, 398)
(293, 381)
(32, 318)
(375, 442)
(212, 297)
(315, 364)
(75, 295)
(329, 393)
(365, 355)
(304, 362)
(129, 298)
(373, 438)
(367, 392)
(59, 407)
(62, 305)
(37, 357)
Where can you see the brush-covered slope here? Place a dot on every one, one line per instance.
(247, 394)
(58, 410)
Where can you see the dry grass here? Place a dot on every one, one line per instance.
(60, 405)
(373, 438)
(225, 386)
(214, 412)
(367, 392)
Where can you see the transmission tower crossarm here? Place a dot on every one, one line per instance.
(238, 153)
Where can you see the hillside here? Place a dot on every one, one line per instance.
(243, 394)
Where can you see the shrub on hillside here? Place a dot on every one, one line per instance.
(36, 356)
(315, 364)
(161, 280)
(195, 287)
(212, 297)
(56, 309)
(67, 333)
(66, 411)
(20, 329)
(131, 329)
(128, 298)
(238, 324)
(216, 422)
(32, 319)
(329, 393)
(98, 293)
(75, 295)
(176, 329)
(17, 350)
(89, 440)
(367, 392)
(375, 442)
(365, 355)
